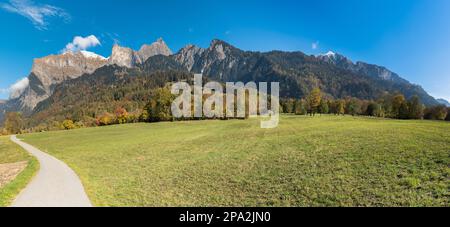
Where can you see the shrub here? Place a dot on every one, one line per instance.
(105, 119)
(68, 125)
(121, 115)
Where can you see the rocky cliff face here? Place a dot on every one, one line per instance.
(157, 48)
(52, 70)
(189, 55)
(122, 56)
(126, 57)
(220, 60)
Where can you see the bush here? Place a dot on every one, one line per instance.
(105, 119)
(68, 125)
(121, 115)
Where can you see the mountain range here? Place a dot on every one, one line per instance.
(444, 102)
(298, 73)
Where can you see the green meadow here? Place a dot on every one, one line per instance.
(306, 161)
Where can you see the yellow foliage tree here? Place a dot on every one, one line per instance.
(314, 99)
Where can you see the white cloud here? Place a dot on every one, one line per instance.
(315, 45)
(38, 14)
(82, 43)
(16, 89)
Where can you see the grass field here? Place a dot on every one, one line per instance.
(321, 161)
(12, 153)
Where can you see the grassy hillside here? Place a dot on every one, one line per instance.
(12, 153)
(321, 161)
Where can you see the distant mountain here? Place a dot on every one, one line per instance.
(49, 71)
(110, 86)
(444, 102)
(361, 67)
(379, 72)
(334, 73)
(298, 73)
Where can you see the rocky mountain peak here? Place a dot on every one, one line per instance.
(220, 49)
(157, 48)
(335, 58)
(54, 69)
(188, 55)
(57, 68)
(123, 56)
(217, 43)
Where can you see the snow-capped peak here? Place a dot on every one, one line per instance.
(329, 54)
(89, 54)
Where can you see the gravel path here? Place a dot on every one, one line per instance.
(55, 185)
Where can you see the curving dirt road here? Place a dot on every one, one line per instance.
(55, 185)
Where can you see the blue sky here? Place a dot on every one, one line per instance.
(410, 37)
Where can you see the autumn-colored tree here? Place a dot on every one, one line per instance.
(68, 124)
(13, 122)
(441, 112)
(415, 108)
(324, 108)
(105, 119)
(300, 108)
(397, 102)
(436, 113)
(403, 112)
(314, 99)
(289, 106)
(159, 107)
(340, 107)
(121, 115)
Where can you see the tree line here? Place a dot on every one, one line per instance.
(388, 106)
(158, 108)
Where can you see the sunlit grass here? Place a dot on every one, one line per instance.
(320, 161)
